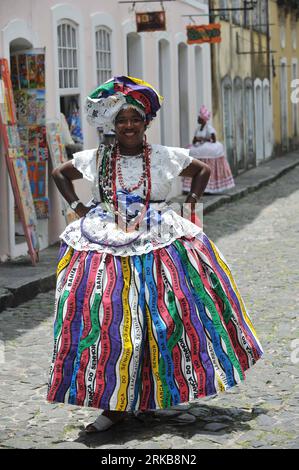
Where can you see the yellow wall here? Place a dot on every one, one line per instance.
(289, 53)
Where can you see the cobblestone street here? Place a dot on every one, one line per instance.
(258, 236)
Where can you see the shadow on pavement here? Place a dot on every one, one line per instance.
(210, 421)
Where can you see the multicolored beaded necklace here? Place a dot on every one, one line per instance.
(111, 165)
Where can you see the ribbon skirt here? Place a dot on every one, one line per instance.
(148, 331)
(221, 177)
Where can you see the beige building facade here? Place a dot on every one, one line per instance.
(284, 36)
(241, 82)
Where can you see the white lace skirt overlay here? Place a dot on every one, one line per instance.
(98, 231)
(207, 150)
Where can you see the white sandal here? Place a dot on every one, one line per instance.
(102, 423)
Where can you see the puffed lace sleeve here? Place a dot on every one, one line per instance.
(178, 160)
(85, 162)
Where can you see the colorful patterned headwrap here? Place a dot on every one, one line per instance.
(106, 101)
(204, 113)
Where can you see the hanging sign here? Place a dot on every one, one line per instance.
(151, 21)
(197, 34)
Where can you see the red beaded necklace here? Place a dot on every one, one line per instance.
(120, 175)
(145, 177)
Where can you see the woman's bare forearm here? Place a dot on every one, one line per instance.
(63, 177)
(199, 183)
(200, 174)
(65, 186)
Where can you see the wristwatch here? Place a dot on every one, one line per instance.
(194, 196)
(74, 204)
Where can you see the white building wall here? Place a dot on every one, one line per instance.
(36, 21)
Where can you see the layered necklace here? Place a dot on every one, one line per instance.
(110, 167)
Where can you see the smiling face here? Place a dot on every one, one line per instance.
(129, 131)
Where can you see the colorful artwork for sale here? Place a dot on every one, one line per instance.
(31, 63)
(37, 143)
(37, 172)
(40, 70)
(13, 135)
(36, 107)
(23, 71)
(42, 208)
(16, 164)
(14, 73)
(56, 147)
(58, 156)
(28, 70)
(29, 92)
(21, 106)
(21, 172)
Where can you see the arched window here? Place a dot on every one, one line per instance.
(224, 15)
(249, 122)
(239, 121)
(267, 116)
(199, 76)
(259, 121)
(264, 15)
(256, 16)
(282, 24)
(134, 55)
(295, 106)
(294, 33)
(103, 54)
(67, 54)
(236, 13)
(183, 94)
(284, 103)
(165, 90)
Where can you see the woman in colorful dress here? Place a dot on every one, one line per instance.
(207, 149)
(147, 313)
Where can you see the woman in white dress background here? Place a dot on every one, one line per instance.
(207, 149)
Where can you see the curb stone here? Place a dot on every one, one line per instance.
(6, 299)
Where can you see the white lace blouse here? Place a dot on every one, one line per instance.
(163, 224)
(207, 131)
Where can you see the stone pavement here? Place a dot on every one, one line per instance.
(258, 235)
(20, 281)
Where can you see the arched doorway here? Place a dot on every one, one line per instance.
(134, 55)
(239, 122)
(249, 123)
(259, 122)
(198, 76)
(19, 44)
(165, 91)
(183, 94)
(228, 121)
(267, 118)
(284, 104)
